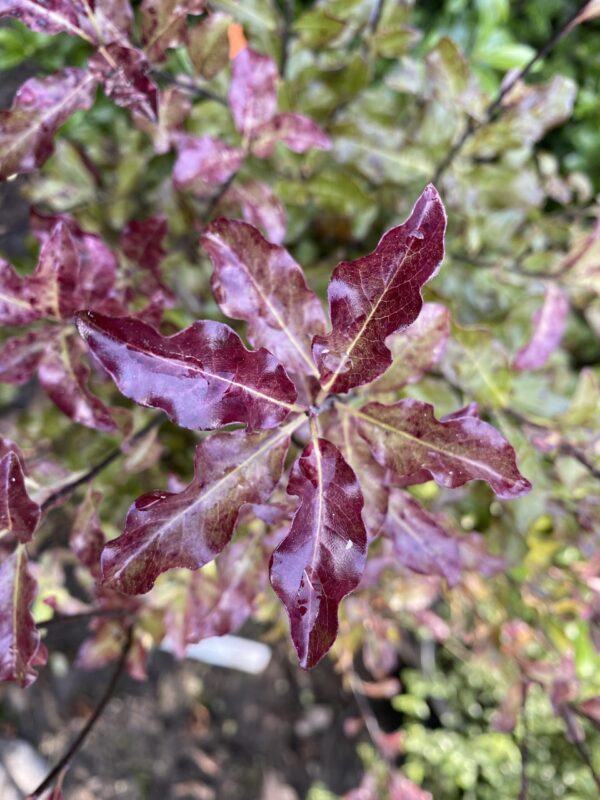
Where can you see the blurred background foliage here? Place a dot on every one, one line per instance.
(395, 84)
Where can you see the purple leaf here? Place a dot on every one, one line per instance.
(296, 131)
(19, 515)
(86, 539)
(204, 160)
(420, 542)
(261, 207)
(260, 283)
(142, 243)
(55, 16)
(15, 299)
(252, 91)
(203, 377)
(549, 324)
(164, 24)
(20, 643)
(416, 350)
(124, 74)
(53, 287)
(189, 529)
(20, 356)
(323, 556)
(378, 295)
(407, 438)
(40, 107)
(64, 376)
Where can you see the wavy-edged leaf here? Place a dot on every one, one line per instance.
(40, 107)
(322, 558)
(261, 207)
(260, 283)
(164, 24)
(21, 355)
(124, 73)
(203, 160)
(297, 132)
(407, 438)
(208, 44)
(252, 91)
(420, 542)
(549, 324)
(63, 375)
(378, 295)
(19, 515)
(20, 643)
(53, 287)
(415, 350)
(189, 529)
(203, 376)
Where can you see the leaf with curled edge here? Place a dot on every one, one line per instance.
(164, 24)
(295, 131)
(322, 558)
(63, 374)
(416, 350)
(40, 107)
(123, 71)
(20, 642)
(420, 542)
(260, 283)
(252, 91)
(203, 376)
(97, 262)
(19, 514)
(407, 438)
(203, 161)
(549, 324)
(189, 529)
(378, 295)
(260, 206)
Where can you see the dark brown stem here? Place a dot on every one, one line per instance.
(580, 746)
(97, 713)
(524, 744)
(197, 91)
(68, 488)
(214, 201)
(107, 613)
(495, 107)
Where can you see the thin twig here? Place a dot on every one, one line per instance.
(495, 107)
(217, 197)
(85, 731)
(190, 88)
(107, 613)
(366, 712)
(68, 488)
(524, 743)
(580, 746)
(375, 17)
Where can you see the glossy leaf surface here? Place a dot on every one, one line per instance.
(260, 283)
(20, 644)
(19, 515)
(189, 529)
(378, 295)
(40, 107)
(407, 438)
(323, 556)
(203, 377)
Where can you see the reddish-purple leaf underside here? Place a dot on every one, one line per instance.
(189, 529)
(261, 284)
(261, 207)
(40, 107)
(323, 556)
(19, 515)
(379, 294)
(203, 377)
(409, 440)
(20, 644)
(252, 91)
(549, 324)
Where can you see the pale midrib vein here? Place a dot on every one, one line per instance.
(269, 444)
(317, 538)
(228, 381)
(424, 444)
(278, 319)
(15, 301)
(15, 605)
(39, 121)
(40, 9)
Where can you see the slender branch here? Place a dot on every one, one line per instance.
(87, 728)
(190, 88)
(107, 613)
(495, 107)
(524, 743)
(375, 17)
(68, 488)
(580, 746)
(286, 34)
(217, 197)
(366, 712)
